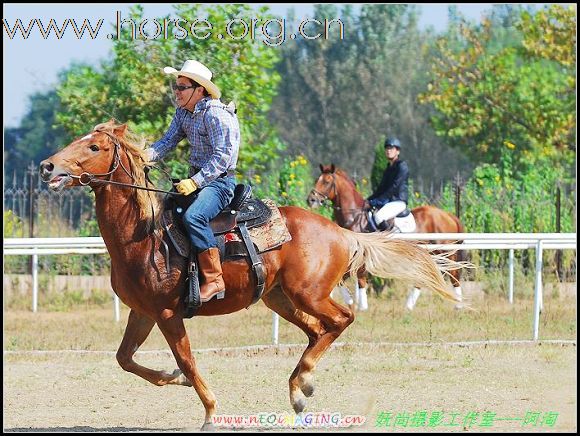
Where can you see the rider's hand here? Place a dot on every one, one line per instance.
(148, 154)
(186, 186)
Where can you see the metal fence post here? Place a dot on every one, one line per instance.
(511, 276)
(538, 290)
(558, 230)
(117, 305)
(458, 195)
(275, 326)
(34, 282)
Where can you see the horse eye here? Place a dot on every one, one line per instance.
(94, 147)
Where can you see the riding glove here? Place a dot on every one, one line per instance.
(149, 154)
(186, 186)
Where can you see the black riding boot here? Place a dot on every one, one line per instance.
(385, 226)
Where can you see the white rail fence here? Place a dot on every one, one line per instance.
(471, 241)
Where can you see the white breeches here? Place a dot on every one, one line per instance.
(389, 210)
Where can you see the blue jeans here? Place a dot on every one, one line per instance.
(210, 201)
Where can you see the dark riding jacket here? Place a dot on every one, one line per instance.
(394, 185)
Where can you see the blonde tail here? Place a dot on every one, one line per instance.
(386, 257)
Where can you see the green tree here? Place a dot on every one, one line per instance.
(131, 86)
(341, 96)
(37, 136)
(380, 164)
(486, 94)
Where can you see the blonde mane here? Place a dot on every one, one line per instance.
(133, 144)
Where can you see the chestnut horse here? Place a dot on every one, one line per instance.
(335, 185)
(300, 274)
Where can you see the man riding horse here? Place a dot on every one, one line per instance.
(214, 135)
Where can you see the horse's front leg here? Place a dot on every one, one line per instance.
(172, 327)
(137, 330)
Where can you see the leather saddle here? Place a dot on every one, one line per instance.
(243, 213)
(405, 213)
(242, 209)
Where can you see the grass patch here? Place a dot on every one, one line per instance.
(64, 301)
(72, 322)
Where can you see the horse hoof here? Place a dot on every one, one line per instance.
(299, 404)
(208, 426)
(307, 389)
(180, 379)
(305, 383)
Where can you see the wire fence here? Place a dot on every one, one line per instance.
(32, 210)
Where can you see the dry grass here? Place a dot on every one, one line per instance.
(91, 327)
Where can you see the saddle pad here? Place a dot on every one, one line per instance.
(406, 224)
(271, 234)
(266, 237)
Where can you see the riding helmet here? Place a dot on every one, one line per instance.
(394, 142)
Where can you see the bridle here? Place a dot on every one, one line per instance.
(322, 197)
(87, 178)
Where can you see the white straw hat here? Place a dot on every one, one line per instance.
(199, 72)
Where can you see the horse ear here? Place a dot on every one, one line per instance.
(119, 131)
(332, 168)
(321, 168)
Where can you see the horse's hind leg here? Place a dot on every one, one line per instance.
(361, 291)
(412, 298)
(331, 320)
(137, 330)
(334, 319)
(299, 381)
(172, 327)
(454, 276)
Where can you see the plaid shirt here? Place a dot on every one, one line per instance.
(214, 135)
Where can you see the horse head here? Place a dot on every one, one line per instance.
(325, 187)
(96, 154)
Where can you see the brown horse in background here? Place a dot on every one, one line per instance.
(300, 274)
(335, 185)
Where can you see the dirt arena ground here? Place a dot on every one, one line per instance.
(495, 388)
(434, 370)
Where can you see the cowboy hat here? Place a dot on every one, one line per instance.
(198, 72)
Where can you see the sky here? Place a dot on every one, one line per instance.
(31, 64)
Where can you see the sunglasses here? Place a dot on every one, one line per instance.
(181, 88)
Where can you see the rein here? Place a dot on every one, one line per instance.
(88, 178)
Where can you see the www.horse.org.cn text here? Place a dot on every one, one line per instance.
(272, 32)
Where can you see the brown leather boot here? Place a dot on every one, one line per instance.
(211, 270)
